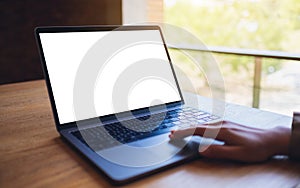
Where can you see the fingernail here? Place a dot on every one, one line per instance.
(203, 148)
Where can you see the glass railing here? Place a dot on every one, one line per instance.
(276, 79)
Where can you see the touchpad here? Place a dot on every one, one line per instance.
(150, 151)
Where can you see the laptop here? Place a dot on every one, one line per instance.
(115, 98)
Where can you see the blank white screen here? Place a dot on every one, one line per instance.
(64, 52)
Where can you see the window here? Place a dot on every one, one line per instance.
(263, 26)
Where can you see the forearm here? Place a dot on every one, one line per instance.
(294, 149)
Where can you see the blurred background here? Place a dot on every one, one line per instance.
(255, 42)
(19, 54)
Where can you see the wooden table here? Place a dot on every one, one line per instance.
(33, 154)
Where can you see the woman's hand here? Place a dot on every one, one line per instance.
(242, 143)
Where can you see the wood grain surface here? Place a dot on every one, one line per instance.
(33, 154)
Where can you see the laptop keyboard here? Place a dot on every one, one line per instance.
(109, 135)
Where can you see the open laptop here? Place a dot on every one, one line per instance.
(115, 97)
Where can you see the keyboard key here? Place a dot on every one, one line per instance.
(101, 137)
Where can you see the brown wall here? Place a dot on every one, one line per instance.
(19, 56)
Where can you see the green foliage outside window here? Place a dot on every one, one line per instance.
(248, 24)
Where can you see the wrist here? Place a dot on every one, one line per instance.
(279, 141)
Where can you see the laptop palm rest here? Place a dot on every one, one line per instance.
(150, 151)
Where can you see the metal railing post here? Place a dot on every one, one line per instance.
(256, 82)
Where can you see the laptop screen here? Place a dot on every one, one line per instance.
(129, 76)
